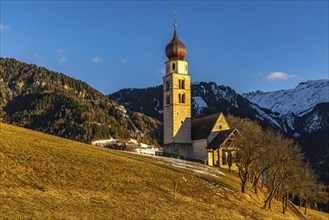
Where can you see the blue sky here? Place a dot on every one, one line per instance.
(247, 45)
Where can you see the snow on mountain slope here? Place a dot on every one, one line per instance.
(314, 123)
(199, 104)
(299, 101)
(262, 115)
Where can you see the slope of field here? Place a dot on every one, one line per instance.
(43, 176)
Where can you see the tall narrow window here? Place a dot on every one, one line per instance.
(173, 66)
(167, 86)
(168, 99)
(179, 84)
(179, 98)
(183, 98)
(183, 84)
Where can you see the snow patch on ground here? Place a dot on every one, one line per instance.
(11, 92)
(140, 148)
(196, 168)
(123, 110)
(104, 142)
(158, 107)
(296, 135)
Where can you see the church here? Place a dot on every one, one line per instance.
(209, 139)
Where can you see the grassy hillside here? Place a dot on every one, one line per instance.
(43, 176)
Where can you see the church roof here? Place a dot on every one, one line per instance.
(201, 127)
(220, 138)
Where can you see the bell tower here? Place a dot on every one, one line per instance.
(176, 101)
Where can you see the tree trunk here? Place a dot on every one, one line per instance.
(305, 207)
(270, 197)
(243, 186)
(255, 183)
(286, 203)
(244, 182)
(265, 204)
(269, 203)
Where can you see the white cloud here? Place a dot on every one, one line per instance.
(61, 56)
(124, 61)
(36, 58)
(279, 76)
(60, 52)
(62, 59)
(97, 60)
(161, 71)
(4, 27)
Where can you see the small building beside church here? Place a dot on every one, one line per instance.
(209, 139)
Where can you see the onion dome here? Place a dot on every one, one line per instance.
(175, 49)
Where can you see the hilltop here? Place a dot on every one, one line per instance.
(52, 177)
(37, 98)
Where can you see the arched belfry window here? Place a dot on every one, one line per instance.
(183, 98)
(179, 84)
(183, 84)
(168, 99)
(179, 98)
(173, 66)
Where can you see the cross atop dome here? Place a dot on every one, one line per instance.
(175, 49)
(175, 24)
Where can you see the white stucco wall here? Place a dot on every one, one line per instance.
(199, 151)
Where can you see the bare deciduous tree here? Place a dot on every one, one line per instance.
(278, 161)
(248, 145)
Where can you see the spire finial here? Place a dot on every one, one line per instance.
(175, 16)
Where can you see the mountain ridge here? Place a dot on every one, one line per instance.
(309, 93)
(37, 98)
(209, 98)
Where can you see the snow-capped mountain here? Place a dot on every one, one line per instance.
(301, 113)
(291, 104)
(304, 115)
(299, 101)
(207, 98)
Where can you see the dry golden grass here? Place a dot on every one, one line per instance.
(313, 214)
(47, 177)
